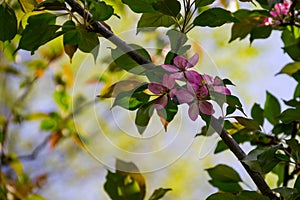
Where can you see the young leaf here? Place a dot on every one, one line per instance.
(168, 7)
(223, 173)
(8, 23)
(214, 17)
(159, 193)
(155, 20)
(290, 68)
(143, 116)
(234, 102)
(257, 113)
(272, 109)
(28, 5)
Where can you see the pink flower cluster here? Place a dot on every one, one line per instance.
(279, 13)
(195, 92)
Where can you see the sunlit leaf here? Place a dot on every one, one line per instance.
(291, 43)
(116, 88)
(16, 165)
(214, 17)
(27, 5)
(62, 99)
(248, 123)
(272, 109)
(159, 193)
(8, 22)
(290, 68)
(35, 197)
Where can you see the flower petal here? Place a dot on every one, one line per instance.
(193, 111)
(168, 81)
(208, 79)
(193, 76)
(161, 102)
(156, 88)
(193, 61)
(180, 62)
(170, 68)
(184, 96)
(222, 90)
(177, 76)
(206, 107)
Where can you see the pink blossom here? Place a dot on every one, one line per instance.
(179, 69)
(216, 84)
(279, 13)
(163, 89)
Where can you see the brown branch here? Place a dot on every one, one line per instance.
(240, 154)
(229, 141)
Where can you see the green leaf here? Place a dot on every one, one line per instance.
(272, 109)
(159, 193)
(267, 159)
(223, 173)
(290, 115)
(234, 102)
(257, 113)
(35, 197)
(51, 5)
(177, 41)
(297, 91)
(62, 99)
(168, 7)
(40, 29)
(232, 187)
(88, 41)
(71, 38)
(291, 43)
(51, 123)
(168, 113)
(8, 23)
(290, 68)
(239, 137)
(279, 171)
(126, 62)
(261, 32)
(111, 185)
(214, 17)
(154, 20)
(201, 3)
(285, 192)
(133, 99)
(140, 6)
(297, 184)
(143, 116)
(221, 196)
(28, 5)
(101, 11)
(249, 124)
(251, 195)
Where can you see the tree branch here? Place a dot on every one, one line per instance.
(229, 141)
(240, 154)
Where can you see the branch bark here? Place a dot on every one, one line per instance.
(229, 141)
